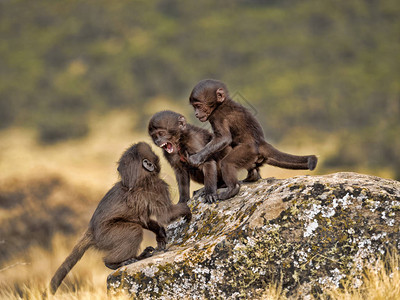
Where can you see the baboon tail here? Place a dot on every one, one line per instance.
(80, 248)
(276, 158)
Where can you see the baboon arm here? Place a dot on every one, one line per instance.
(159, 230)
(222, 138)
(179, 210)
(183, 179)
(210, 181)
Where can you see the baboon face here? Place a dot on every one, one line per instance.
(165, 129)
(206, 96)
(138, 162)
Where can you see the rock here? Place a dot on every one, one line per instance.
(306, 232)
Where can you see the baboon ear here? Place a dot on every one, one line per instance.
(181, 122)
(220, 95)
(148, 165)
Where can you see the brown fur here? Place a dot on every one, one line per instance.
(239, 135)
(170, 131)
(116, 226)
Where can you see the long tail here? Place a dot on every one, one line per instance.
(80, 248)
(280, 159)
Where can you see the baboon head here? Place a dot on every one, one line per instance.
(138, 163)
(206, 96)
(165, 129)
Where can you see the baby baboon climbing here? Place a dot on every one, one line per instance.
(117, 224)
(239, 134)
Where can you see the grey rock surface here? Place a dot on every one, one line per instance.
(304, 232)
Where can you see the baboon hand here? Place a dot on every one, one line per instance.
(210, 198)
(161, 243)
(161, 239)
(187, 214)
(195, 160)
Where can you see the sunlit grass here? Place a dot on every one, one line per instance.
(28, 276)
(274, 292)
(381, 281)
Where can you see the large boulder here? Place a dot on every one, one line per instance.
(306, 232)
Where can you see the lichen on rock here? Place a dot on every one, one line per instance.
(305, 232)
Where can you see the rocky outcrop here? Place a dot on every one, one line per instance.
(305, 232)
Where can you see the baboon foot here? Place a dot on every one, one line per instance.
(210, 198)
(252, 176)
(149, 251)
(113, 266)
(229, 192)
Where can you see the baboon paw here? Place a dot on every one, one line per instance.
(252, 176)
(112, 266)
(148, 249)
(229, 192)
(211, 198)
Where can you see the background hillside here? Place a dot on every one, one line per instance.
(79, 81)
(308, 67)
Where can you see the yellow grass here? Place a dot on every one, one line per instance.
(381, 282)
(27, 277)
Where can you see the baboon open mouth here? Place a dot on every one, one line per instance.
(168, 147)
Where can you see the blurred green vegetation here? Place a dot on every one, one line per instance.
(330, 67)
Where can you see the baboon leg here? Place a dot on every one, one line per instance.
(242, 156)
(121, 243)
(148, 252)
(252, 175)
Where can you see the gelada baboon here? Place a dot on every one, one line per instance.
(239, 134)
(178, 139)
(117, 224)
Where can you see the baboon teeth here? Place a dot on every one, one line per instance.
(167, 147)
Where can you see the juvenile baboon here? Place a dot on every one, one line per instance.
(116, 226)
(178, 139)
(239, 134)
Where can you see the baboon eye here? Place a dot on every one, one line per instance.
(148, 165)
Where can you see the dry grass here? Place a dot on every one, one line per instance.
(381, 282)
(27, 276)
